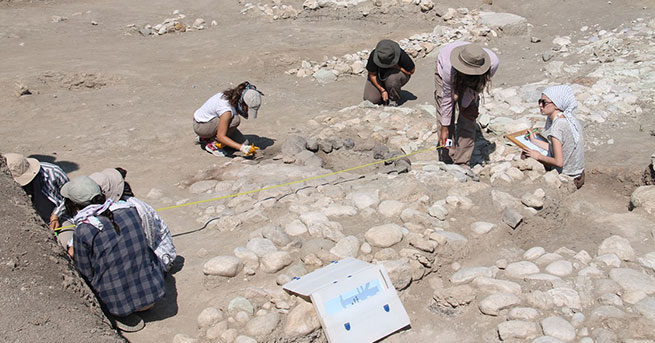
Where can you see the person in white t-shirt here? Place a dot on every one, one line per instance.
(216, 121)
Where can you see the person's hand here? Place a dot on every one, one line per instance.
(443, 136)
(248, 149)
(54, 222)
(532, 153)
(385, 96)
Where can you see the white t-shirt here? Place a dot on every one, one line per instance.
(212, 108)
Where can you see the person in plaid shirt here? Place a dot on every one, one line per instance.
(112, 254)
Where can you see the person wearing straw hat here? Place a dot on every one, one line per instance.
(216, 121)
(112, 254)
(462, 72)
(389, 69)
(565, 143)
(42, 181)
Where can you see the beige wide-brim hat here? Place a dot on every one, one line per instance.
(470, 59)
(111, 183)
(22, 169)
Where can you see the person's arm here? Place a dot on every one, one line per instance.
(374, 80)
(557, 160)
(221, 132)
(536, 141)
(405, 71)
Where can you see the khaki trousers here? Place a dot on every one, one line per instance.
(208, 130)
(461, 129)
(395, 80)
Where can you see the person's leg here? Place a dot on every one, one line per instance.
(206, 131)
(464, 142)
(444, 155)
(579, 181)
(395, 80)
(371, 93)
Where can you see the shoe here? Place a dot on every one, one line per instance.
(129, 323)
(392, 103)
(214, 150)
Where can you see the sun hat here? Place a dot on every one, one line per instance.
(22, 169)
(387, 54)
(81, 190)
(111, 183)
(470, 59)
(252, 98)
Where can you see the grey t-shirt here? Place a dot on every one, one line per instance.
(573, 153)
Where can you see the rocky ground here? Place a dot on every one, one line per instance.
(504, 252)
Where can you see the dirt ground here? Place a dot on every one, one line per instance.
(105, 96)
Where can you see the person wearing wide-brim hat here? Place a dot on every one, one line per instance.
(389, 69)
(42, 181)
(463, 71)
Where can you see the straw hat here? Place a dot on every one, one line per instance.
(470, 59)
(22, 169)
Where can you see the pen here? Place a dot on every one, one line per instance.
(527, 135)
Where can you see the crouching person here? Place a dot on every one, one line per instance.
(112, 254)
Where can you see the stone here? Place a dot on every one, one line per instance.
(199, 24)
(209, 317)
(610, 299)
(547, 339)
(564, 296)
(248, 258)
(647, 308)
(540, 300)
(346, 247)
(560, 268)
(261, 246)
(610, 260)
(468, 274)
(301, 320)
(604, 312)
(618, 246)
(532, 200)
(202, 186)
(633, 297)
(494, 303)
(508, 23)
(523, 313)
(559, 328)
(384, 236)
(548, 258)
(276, 235)
(293, 145)
(438, 211)
(481, 228)
(490, 285)
(295, 228)
(512, 217)
(391, 208)
(520, 269)
(517, 329)
(240, 304)
(228, 266)
(400, 273)
(275, 261)
(632, 280)
(215, 331)
(229, 335)
(647, 261)
(364, 199)
(454, 296)
(325, 75)
(261, 326)
(387, 254)
(533, 253)
(182, 338)
(244, 339)
(452, 243)
(339, 210)
(643, 197)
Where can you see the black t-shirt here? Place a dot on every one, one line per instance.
(405, 62)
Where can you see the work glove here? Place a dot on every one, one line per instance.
(248, 150)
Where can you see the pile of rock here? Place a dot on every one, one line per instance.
(171, 25)
(463, 25)
(562, 296)
(277, 10)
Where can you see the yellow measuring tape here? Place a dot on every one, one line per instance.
(283, 184)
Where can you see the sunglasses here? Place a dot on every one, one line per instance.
(543, 102)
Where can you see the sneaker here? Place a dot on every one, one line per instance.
(129, 323)
(214, 150)
(392, 103)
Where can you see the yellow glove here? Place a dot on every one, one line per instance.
(248, 150)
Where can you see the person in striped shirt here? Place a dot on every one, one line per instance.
(42, 181)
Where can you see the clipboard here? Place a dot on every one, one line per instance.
(518, 138)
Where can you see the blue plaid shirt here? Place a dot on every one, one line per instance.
(120, 268)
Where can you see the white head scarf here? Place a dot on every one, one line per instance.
(562, 96)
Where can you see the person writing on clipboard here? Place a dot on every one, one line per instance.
(565, 138)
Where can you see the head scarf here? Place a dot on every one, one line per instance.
(562, 96)
(89, 214)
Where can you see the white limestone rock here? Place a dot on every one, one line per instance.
(533, 253)
(481, 228)
(523, 313)
(618, 246)
(521, 269)
(560, 268)
(494, 303)
(384, 236)
(518, 329)
(228, 266)
(559, 328)
(391, 208)
(261, 326)
(643, 197)
(275, 261)
(346, 247)
(261, 246)
(633, 280)
(468, 274)
(490, 285)
(208, 317)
